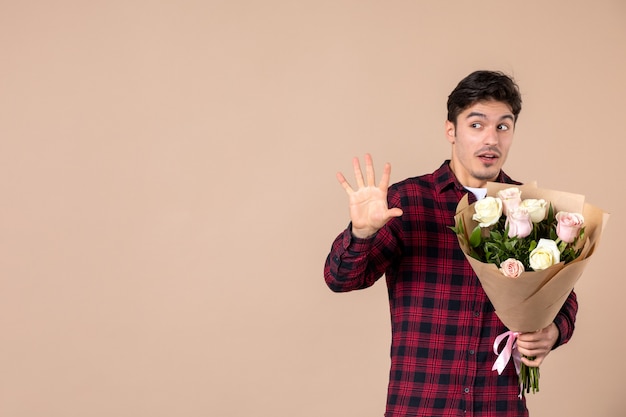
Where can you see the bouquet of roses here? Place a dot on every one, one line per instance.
(528, 254)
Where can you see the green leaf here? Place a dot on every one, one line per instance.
(458, 229)
(475, 237)
(495, 235)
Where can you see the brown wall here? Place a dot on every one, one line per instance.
(168, 192)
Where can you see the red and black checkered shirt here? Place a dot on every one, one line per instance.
(443, 325)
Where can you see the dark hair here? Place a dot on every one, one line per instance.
(484, 86)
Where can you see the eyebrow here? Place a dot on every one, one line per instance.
(484, 116)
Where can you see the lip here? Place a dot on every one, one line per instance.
(488, 157)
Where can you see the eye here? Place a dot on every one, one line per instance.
(476, 125)
(503, 127)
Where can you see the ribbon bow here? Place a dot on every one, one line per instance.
(510, 350)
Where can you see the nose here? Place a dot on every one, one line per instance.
(491, 136)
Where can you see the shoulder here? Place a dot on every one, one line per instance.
(422, 182)
(426, 183)
(414, 191)
(507, 179)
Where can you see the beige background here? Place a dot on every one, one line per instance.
(168, 192)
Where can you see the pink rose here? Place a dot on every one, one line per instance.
(519, 222)
(512, 268)
(511, 198)
(568, 225)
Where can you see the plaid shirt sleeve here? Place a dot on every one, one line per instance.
(356, 263)
(565, 320)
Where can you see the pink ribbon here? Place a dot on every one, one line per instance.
(510, 350)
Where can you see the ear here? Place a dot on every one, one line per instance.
(450, 131)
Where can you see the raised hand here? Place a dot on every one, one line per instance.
(368, 203)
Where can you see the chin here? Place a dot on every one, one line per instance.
(488, 174)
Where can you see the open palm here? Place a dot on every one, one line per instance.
(368, 203)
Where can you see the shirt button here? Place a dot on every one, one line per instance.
(476, 313)
(466, 390)
(471, 351)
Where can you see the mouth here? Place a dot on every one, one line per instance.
(488, 157)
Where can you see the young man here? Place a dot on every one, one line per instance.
(443, 325)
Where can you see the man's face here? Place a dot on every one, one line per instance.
(480, 141)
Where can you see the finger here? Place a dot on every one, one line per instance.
(532, 363)
(533, 349)
(525, 339)
(530, 337)
(384, 181)
(526, 351)
(369, 170)
(344, 183)
(358, 174)
(394, 212)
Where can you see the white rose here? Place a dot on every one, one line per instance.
(544, 255)
(487, 211)
(537, 208)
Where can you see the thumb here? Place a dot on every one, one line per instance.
(394, 212)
